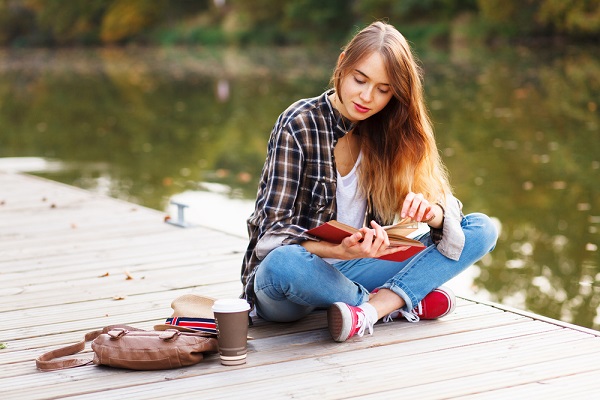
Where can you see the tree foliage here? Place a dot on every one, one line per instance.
(77, 23)
(82, 22)
(572, 18)
(126, 18)
(577, 17)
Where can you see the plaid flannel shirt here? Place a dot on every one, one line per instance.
(298, 182)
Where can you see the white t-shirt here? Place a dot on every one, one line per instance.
(351, 205)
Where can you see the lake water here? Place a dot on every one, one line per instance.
(519, 130)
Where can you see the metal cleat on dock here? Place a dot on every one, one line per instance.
(180, 216)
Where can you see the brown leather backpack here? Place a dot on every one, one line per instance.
(123, 346)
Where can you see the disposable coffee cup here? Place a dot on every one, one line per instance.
(231, 316)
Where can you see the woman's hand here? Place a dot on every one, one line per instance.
(367, 243)
(418, 208)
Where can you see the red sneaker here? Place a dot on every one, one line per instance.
(346, 321)
(438, 303)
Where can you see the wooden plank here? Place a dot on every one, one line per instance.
(577, 378)
(134, 259)
(320, 376)
(88, 311)
(45, 241)
(51, 259)
(69, 231)
(311, 337)
(307, 380)
(574, 384)
(71, 331)
(62, 336)
(188, 276)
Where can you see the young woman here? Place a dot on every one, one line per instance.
(362, 153)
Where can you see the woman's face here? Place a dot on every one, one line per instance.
(365, 90)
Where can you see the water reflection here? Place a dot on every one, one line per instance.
(519, 130)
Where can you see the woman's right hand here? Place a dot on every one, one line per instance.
(367, 243)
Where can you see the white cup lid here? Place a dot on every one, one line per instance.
(230, 305)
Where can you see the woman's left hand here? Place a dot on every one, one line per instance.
(416, 207)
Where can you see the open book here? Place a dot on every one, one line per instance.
(334, 232)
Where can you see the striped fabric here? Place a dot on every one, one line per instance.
(196, 324)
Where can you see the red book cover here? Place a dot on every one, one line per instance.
(334, 232)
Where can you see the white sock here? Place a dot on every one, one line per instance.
(370, 312)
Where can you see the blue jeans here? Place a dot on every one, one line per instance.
(291, 282)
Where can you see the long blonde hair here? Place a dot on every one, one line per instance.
(400, 154)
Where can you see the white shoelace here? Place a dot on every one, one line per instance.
(411, 316)
(363, 324)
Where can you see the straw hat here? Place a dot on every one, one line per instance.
(191, 313)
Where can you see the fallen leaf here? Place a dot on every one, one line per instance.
(128, 276)
(3, 346)
(104, 275)
(119, 297)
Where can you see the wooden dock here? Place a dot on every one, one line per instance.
(72, 261)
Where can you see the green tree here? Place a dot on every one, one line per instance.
(256, 21)
(16, 21)
(91, 22)
(312, 21)
(518, 17)
(302, 21)
(508, 17)
(577, 17)
(76, 23)
(411, 10)
(127, 18)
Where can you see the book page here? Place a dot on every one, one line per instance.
(401, 229)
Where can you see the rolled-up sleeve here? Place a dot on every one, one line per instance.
(450, 239)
